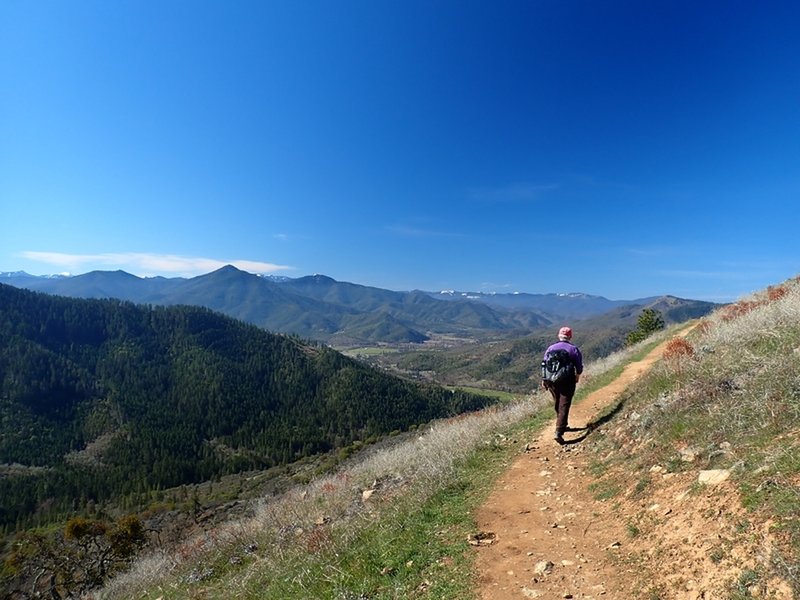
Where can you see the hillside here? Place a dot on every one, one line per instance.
(102, 400)
(626, 510)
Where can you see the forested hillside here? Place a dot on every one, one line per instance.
(102, 398)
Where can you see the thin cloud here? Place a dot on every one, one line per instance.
(655, 251)
(698, 274)
(495, 286)
(520, 192)
(144, 264)
(592, 182)
(407, 231)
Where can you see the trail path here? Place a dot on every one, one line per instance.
(553, 539)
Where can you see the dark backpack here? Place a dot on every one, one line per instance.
(557, 366)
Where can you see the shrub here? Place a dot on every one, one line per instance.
(736, 310)
(776, 292)
(678, 348)
(648, 323)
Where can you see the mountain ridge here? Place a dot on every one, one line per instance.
(318, 277)
(340, 313)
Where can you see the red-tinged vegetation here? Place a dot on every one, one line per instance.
(738, 309)
(776, 292)
(678, 348)
(318, 538)
(328, 487)
(734, 311)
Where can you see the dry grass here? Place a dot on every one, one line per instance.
(335, 508)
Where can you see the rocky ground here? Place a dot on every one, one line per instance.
(545, 534)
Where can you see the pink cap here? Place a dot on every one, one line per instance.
(565, 332)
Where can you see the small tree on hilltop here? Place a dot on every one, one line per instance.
(649, 322)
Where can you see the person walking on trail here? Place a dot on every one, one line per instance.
(561, 370)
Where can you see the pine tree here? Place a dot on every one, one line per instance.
(649, 322)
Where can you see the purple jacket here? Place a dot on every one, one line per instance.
(574, 352)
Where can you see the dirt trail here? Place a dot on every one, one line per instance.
(553, 539)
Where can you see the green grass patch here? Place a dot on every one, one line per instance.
(632, 529)
(604, 490)
(741, 588)
(498, 394)
(717, 554)
(598, 467)
(595, 383)
(369, 351)
(419, 552)
(641, 485)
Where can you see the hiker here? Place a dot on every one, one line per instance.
(561, 382)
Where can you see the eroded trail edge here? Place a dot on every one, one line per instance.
(552, 538)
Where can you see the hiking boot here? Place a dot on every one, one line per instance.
(559, 438)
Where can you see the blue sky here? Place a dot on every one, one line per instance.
(624, 149)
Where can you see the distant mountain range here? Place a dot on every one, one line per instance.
(347, 314)
(555, 306)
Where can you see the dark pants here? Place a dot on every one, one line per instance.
(562, 393)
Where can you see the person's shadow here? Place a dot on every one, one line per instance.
(592, 425)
